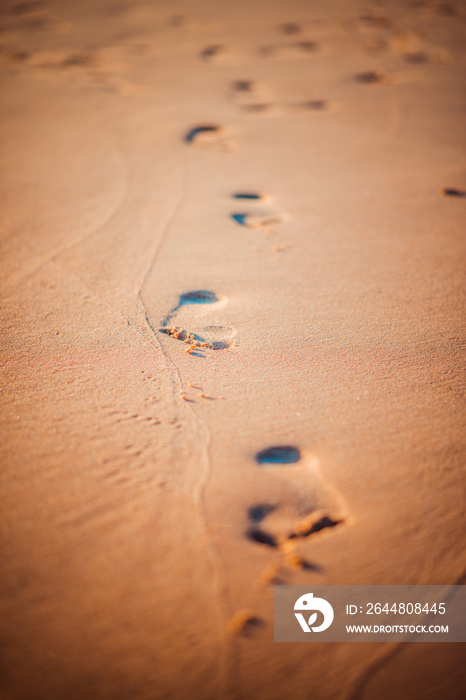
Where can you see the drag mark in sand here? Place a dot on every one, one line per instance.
(199, 435)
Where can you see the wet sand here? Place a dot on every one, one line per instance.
(227, 228)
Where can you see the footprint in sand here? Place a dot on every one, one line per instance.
(415, 49)
(314, 106)
(290, 28)
(373, 77)
(292, 50)
(215, 52)
(370, 20)
(454, 192)
(445, 9)
(196, 321)
(212, 137)
(252, 97)
(261, 217)
(304, 506)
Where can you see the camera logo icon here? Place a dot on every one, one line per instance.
(307, 603)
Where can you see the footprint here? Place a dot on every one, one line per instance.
(210, 137)
(251, 196)
(416, 57)
(372, 77)
(290, 28)
(454, 192)
(260, 108)
(446, 9)
(281, 454)
(214, 52)
(245, 622)
(375, 21)
(252, 97)
(414, 48)
(259, 218)
(296, 49)
(196, 322)
(304, 507)
(29, 8)
(314, 106)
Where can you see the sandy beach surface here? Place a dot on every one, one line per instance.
(227, 227)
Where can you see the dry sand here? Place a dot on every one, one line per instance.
(140, 537)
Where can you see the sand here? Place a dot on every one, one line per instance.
(142, 530)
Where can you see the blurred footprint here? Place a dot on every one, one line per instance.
(252, 97)
(196, 322)
(290, 28)
(296, 49)
(259, 218)
(305, 505)
(313, 107)
(454, 192)
(373, 77)
(212, 137)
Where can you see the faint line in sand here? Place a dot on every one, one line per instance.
(205, 440)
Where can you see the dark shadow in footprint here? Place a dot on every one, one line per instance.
(211, 51)
(247, 195)
(256, 108)
(453, 192)
(194, 331)
(371, 77)
(240, 219)
(290, 28)
(280, 454)
(308, 566)
(252, 221)
(261, 537)
(243, 85)
(26, 8)
(416, 57)
(376, 21)
(307, 46)
(267, 51)
(317, 526)
(199, 296)
(260, 511)
(197, 131)
(316, 105)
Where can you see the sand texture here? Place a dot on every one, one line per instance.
(232, 270)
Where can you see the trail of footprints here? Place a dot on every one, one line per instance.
(304, 506)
